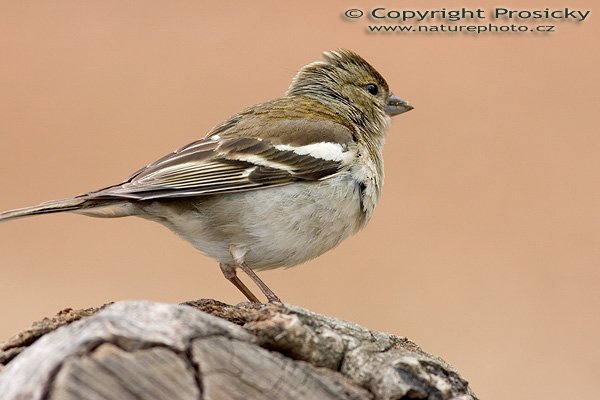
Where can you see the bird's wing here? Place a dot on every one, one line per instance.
(235, 157)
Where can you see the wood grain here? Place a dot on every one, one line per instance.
(144, 350)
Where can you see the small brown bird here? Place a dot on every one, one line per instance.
(274, 186)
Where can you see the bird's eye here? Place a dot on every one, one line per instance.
(372, 88)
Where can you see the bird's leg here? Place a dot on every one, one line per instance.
(230, 275)
(272, 297)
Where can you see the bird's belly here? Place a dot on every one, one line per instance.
(275, 227)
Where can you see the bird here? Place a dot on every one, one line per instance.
(276, 184)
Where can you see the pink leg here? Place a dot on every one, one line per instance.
(231, 276)
(272, 297)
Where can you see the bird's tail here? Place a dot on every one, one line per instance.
(81, 205)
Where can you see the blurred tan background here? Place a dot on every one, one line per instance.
(485, 248)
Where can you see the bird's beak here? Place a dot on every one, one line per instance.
(395, 105)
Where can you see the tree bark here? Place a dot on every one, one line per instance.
(209, 350)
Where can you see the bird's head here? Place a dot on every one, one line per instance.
(351, 86)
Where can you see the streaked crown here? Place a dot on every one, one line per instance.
(345, 82)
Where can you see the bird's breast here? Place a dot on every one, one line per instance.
(367, 171)
(279, 226)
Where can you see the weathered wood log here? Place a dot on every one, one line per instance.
(210, 350)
